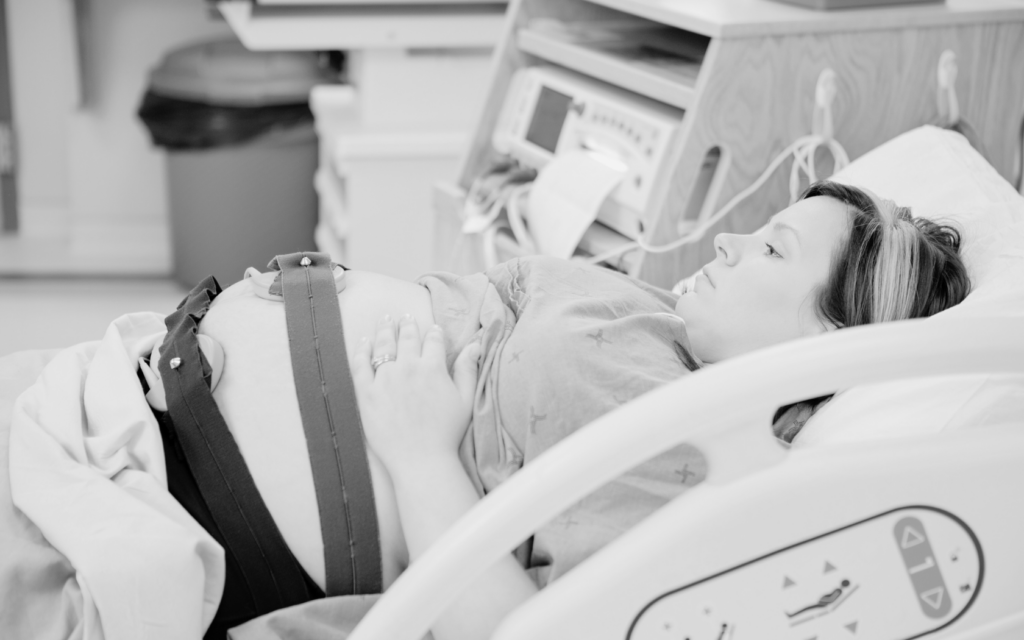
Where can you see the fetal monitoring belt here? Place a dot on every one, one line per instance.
(330, 417)
(208, 475)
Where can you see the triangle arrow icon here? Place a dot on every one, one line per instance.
(788, 582)
(911, 537)
(852, 626)
(828, 567)
(934, 597)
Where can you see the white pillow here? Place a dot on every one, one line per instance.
(941, 177)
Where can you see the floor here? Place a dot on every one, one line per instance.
(46, 313)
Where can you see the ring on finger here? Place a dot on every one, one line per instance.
(377, 362)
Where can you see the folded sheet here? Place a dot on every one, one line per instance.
(87, 467)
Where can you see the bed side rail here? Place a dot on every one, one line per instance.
(727, 410)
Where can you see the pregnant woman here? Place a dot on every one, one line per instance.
(537, 348)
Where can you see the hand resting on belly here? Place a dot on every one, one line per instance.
(256, 395)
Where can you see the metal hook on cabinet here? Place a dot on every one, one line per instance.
(823, 133)
(949, 106)
(824, 96)
(950, 116)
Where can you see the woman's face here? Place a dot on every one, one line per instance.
(759, 289)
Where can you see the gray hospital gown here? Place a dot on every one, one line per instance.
(563, 344)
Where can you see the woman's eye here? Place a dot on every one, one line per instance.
(770, 251)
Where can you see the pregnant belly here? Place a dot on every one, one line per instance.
(257, 397)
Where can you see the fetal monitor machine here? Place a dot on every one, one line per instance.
(584, 135)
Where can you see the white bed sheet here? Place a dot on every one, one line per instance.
(86, 466)
(39, 596)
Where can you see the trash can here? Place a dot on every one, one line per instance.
(242, 154)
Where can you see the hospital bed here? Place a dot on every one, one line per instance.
(894, 515)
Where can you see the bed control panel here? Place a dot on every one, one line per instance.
(896, 576)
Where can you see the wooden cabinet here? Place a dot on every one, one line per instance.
(746, 84)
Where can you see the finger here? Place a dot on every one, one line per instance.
(362, 370)
(384, 340)
(408, 339)
(433, 349)
(467, 369)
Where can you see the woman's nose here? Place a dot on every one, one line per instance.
(728, 247)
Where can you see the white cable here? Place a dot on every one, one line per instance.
(612, 253)
(515, 218)
(490, 195)
(802, 150)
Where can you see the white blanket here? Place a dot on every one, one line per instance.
(87, 467)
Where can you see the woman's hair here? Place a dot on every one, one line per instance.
(892, 266)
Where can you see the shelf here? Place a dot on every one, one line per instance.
(759, 18)
(307, 3)
(658, 62)
(345, 26)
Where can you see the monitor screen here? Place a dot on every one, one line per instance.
(548, 118)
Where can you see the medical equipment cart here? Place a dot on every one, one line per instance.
(748, 90)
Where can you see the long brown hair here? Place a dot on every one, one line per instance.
(892, 266)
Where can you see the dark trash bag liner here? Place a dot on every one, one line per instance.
(187, 125)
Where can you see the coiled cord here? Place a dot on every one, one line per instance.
(802, 150)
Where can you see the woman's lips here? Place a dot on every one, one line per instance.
(707, 277)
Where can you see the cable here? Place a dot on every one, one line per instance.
(489, 197)
(612, 253)
(802, 150)
(515, 217)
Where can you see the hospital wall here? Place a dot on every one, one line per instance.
(87, 174)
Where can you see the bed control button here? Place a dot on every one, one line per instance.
(845, 584)
(919, 560)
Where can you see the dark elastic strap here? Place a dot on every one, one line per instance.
(273, 577)
(330, 418)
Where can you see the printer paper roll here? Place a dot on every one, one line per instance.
(565, 199)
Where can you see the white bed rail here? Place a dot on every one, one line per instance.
(724, 410)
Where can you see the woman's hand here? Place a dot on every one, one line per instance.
(414, 416)
(412, 410)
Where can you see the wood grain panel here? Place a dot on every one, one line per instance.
(758, 98)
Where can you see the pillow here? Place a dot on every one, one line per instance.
(941, 177)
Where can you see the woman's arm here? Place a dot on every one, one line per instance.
(415, 415)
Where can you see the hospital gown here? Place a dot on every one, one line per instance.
(564, 343)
